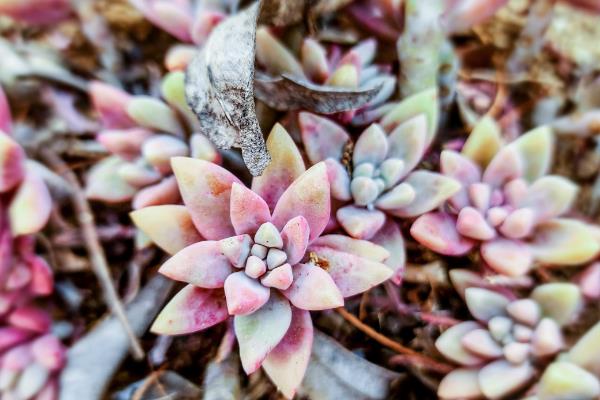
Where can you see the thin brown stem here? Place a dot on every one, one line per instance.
(92, 243)
(415, 358)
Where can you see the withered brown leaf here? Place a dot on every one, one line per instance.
(219, 88)
(292, 93)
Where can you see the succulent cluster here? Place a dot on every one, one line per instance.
(142, 133)
(258, 255)
(507, 205)
(30, 356)
(498, 352)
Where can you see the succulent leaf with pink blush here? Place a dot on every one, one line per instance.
(264, 261)
(498, 352)
(507, 205)
(142, 133)
(377, 180)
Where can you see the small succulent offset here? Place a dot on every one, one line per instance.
(507, 205)
(143, 133)
(258, 255)
(499, 353)
(30, 356)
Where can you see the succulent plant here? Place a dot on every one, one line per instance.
(353, 69)
(258, 255)
(143, 133)
(507, 205)
(30, 356)
(500, 351)
(375, 179)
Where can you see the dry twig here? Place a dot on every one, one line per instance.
(96, 252)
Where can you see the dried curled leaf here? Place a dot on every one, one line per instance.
(220, 91)
(291, 93)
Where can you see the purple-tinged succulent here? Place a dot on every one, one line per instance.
(589, 281)
(181, 18)
(36, 11)
(316, 64)
(507, 205)
(143, 133)
(500, 351)
(30, 357)
(375, 179)
(258, 255)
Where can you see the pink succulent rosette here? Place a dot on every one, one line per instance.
(507, 205)
(376, 180)
(258, 255)
(511, 340)
(142, 133)
(329, 66)
(31, 357)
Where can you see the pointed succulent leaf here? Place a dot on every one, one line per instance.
(158, 150)
(461, 383)
(295, 235)
(425, 102)
(344, 76)
(111, 105)
(309, 197)
(507, 256)
(104, 182)
(437, 231)
(481, 343)
(485, 304)
(535, 149)
(285, 167)
(31, 205)
(163, 192)
(339, 180)
(408, 141)
(390, 238)
(565, 380)
(472, 224)
(174, 17)
(261, 331)
(506, 165)
(314, 60)
(322, 137)
(501, 378)
(49, 352)
(201, 147)
(589, 281)
(173, 91)
(371, 146)
(153, 114)
(560, 301)
(12, 161)
(360, 248)
(360, 223)
(248, 211)
(170, 227)
(547, 338)
(274, 56)
(449, 344)
(465, 171)
(550, 196)
(287, 362)
(244, 295)
(31, 380)
(563, 241)
(313, 289)
(586, 352)
(352, 274)
(205, 188)
(192, 309)
(484, 142)
(201, 264)
(431, 189)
